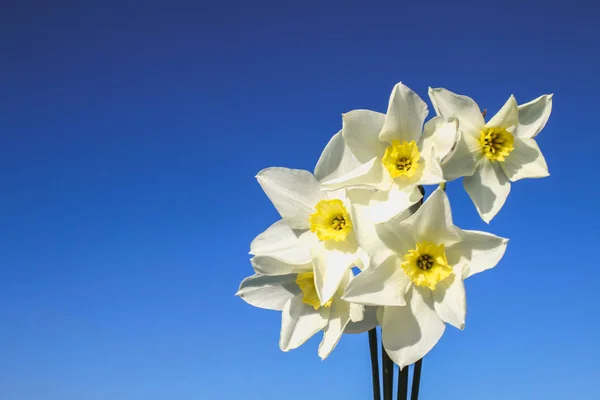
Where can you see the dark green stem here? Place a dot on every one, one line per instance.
(403, 383)
(388, 374)
(374, 363)
(414, 392)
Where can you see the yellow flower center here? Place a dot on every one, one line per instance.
(306, 283)
(402, 158)
(427, 265)
(497, 143)
(331, 221)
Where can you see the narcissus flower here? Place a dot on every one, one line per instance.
(394, 153)
(324, 222)
(291, 288)
(491, 155)
(419, 286)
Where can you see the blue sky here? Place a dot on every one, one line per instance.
(131, 133)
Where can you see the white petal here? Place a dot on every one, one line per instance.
(488, 188)
(507, 117)
(357, 312)
(525, 161)
(268, 265)
(370, 175)
(293, 192)
(440, 135)
(368, 322)
(385, 205)
(410, 332)
(364, 228)
(464, 159)
(479, 250)
(381, 285)
(405, 116)
(448, 104)
(432, 222)
(449, 300)
(360, 129)
(299, 322)
(330, 266)
(395, 236)
(339, 317)
(282, 242)
(432, 173)
(270, 292)
(336, 160)
(533, 116)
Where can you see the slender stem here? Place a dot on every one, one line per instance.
(403, 383)
(414, 392)
(388, 374)
(374, 363)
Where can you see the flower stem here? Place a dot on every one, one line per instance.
(374, 363)
(403, 383)
(388, 374)
(414, 392)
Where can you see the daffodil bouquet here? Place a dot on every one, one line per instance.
(364, 207)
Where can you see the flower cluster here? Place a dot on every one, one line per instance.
(363, 207)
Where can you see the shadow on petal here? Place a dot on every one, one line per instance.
(487, 198)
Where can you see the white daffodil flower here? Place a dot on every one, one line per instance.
(420, 286)
(321, 220)
(337, 160)
(291, 288)
(396, 156)
(492, 155)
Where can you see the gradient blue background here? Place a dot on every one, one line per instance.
(130, 136)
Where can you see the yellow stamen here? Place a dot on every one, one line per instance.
(497, 143)
(306, 283)
(331, 221)
(402, 159)
(427, 265)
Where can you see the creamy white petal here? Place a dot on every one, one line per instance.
(480, 251)
(507, 117)
(488, 188)
(432, 172)
(339, 317)
(449, 300)
(331, 263)
(525, 161)
(385, 205)
(268, 265)
(410, 332)
(269, 292)
(364, 228)
(405, 115)
(465, 158)
(432, 222)
(293, 192)
(371, 175)
(396, 237)
(441, 135)
(533, 116)
(357, 312)
(360, 129)
(448, 104)
(299, 322)
(336, 160)
(282, 242)
(381, 285)
(368, 322)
